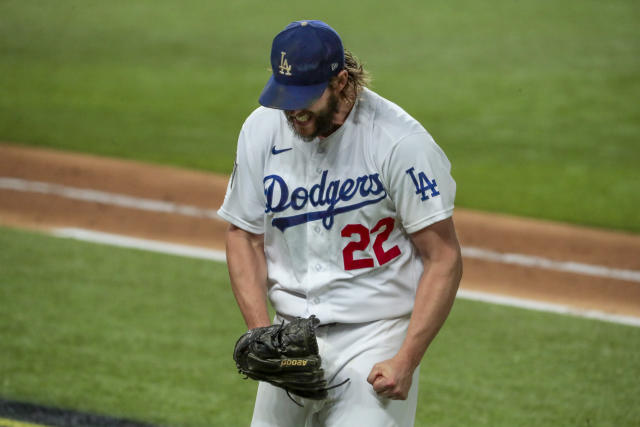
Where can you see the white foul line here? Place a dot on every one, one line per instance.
(547, 307)
(88, 195)
(547, 264)
(143, 244)
(214, 255)
(169, 207)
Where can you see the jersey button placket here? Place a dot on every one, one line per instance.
(315, 236)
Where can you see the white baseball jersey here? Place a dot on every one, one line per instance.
(337, 212)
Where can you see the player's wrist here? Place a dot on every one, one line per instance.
(408, 358)
(254, 320)
(258, 324)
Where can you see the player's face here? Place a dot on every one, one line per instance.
(316, 120)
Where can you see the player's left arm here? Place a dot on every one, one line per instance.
(440, 252)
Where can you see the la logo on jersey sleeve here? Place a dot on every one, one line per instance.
(423, 184)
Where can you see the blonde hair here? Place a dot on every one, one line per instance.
(358, 78)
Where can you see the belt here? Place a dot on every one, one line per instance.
(291, 318)
(322, 325)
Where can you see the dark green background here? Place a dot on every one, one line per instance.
(535, 102)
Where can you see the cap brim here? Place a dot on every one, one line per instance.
(289, 97)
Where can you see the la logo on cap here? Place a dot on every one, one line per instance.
(284, 67)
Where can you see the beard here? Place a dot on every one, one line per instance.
(323, 120)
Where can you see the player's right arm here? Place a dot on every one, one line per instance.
(243, 208)
(248, 273)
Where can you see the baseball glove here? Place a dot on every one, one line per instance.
(285, 356)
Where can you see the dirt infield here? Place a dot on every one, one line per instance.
(496, 233)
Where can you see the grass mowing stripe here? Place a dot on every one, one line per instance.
(26, 414)
(4, 422)
(147, 336)
(117, 331)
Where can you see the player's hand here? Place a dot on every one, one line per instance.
(391, 379)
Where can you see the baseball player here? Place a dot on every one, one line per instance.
(340, 206)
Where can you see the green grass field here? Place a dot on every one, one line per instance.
(149, 337)
(536, 103)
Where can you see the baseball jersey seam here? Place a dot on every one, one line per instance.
(395, 143)
(383, 167)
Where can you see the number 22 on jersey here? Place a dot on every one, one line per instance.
(384, 227)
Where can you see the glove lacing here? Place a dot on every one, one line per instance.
(277, 337)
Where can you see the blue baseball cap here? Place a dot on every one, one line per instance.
(304, 57)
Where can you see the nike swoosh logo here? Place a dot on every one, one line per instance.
(275, 151)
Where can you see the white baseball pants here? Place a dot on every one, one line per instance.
(347, 351)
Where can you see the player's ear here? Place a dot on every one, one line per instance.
(339, 82)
